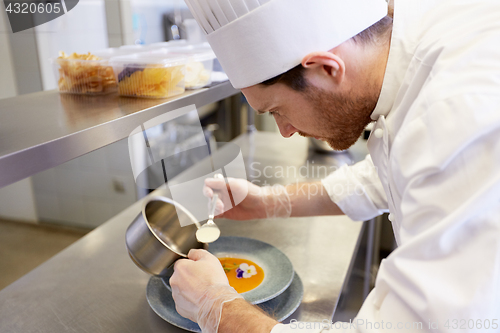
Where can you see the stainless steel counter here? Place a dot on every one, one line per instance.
(93, 286)
(42, 130)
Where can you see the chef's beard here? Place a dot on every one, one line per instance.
(342, 117)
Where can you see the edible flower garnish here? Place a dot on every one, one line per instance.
(245, 271)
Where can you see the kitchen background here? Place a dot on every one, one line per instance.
(86, 191)
(42, 214)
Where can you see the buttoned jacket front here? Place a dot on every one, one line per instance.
(434, 164)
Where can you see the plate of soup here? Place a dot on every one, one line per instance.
(161, 301)
(257, 270)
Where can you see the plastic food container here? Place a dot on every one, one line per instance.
(136, 48)
(177, 43)
(199, 66)
(160, 45)
(149, 75)
(114, 52)
(84, 74)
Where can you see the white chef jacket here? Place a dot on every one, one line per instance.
(434, 163)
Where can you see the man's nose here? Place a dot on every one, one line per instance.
(286, 129)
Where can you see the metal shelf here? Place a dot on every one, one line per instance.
(42, 130)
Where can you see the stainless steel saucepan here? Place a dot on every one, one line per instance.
(155, 239)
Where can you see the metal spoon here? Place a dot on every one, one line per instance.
(209, 232)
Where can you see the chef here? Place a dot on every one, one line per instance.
(428, 74)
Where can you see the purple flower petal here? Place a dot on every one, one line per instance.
(239, 273)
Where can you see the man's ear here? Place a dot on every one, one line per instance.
(331, 63)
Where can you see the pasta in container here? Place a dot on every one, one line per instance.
(85, 74)
(199, 66)
(149, 75)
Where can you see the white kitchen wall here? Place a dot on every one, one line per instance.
(81, 30)
(16, 200)
(88, 190)
(119, 22)
(147, 18)
(7, 75)
(81, 192)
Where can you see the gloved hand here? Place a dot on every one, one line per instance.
(200, 288)
(259, 202)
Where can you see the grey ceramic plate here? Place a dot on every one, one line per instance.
(278, 270)
(161, 301)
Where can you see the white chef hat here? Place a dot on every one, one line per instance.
(256, 40)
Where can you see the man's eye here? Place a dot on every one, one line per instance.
(272, 113)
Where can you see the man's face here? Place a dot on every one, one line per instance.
(335, 117)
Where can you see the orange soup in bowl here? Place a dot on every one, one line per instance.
(243, 274)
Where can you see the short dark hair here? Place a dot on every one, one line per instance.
(373, 33)
(294, 78)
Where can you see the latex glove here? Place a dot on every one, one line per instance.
(200, 288)
(259, 202)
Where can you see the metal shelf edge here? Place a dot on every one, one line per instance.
(26, 161)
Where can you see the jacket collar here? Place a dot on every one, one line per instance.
(400, 54)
